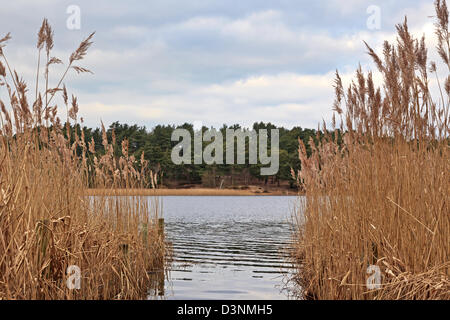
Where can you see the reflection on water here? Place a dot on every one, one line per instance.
(157, 284)
(228, 247)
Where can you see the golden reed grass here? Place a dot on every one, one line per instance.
(381, 196)
(47, 222)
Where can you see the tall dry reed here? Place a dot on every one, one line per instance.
(47, 223)
(381, 197)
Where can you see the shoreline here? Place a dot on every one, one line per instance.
(191, 192)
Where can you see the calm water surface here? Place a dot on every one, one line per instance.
(228, 247)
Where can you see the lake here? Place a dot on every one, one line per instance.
(227, 247)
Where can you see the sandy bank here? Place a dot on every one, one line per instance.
(192, 192)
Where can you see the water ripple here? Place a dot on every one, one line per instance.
(238, 245)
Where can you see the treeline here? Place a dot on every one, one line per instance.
(157, 147)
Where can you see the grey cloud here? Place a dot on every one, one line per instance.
(170, 61)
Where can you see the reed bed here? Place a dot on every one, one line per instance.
(380, 196)
(47, 223)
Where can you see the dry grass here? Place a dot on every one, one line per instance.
(190, 192)
(381, 197)
(47, 222)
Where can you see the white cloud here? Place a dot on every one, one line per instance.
(286, 99)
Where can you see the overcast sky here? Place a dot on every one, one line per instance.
(215, 62)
